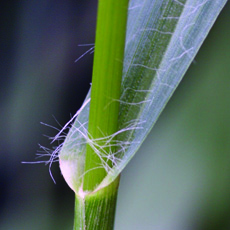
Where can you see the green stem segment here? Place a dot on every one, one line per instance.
(96, 210)
(105, 91)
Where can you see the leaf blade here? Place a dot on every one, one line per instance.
(193, 25)
(173, 31)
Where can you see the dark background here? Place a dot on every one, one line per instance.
(180, 178)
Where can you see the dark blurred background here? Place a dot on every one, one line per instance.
(180, 178)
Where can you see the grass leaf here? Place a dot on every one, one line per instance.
(163, 37)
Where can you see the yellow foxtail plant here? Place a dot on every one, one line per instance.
(142, 50)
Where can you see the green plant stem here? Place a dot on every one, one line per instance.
(96, 210)
(106, 84)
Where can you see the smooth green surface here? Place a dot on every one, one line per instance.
(105, 92)
(96, 210)
(79, 213)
